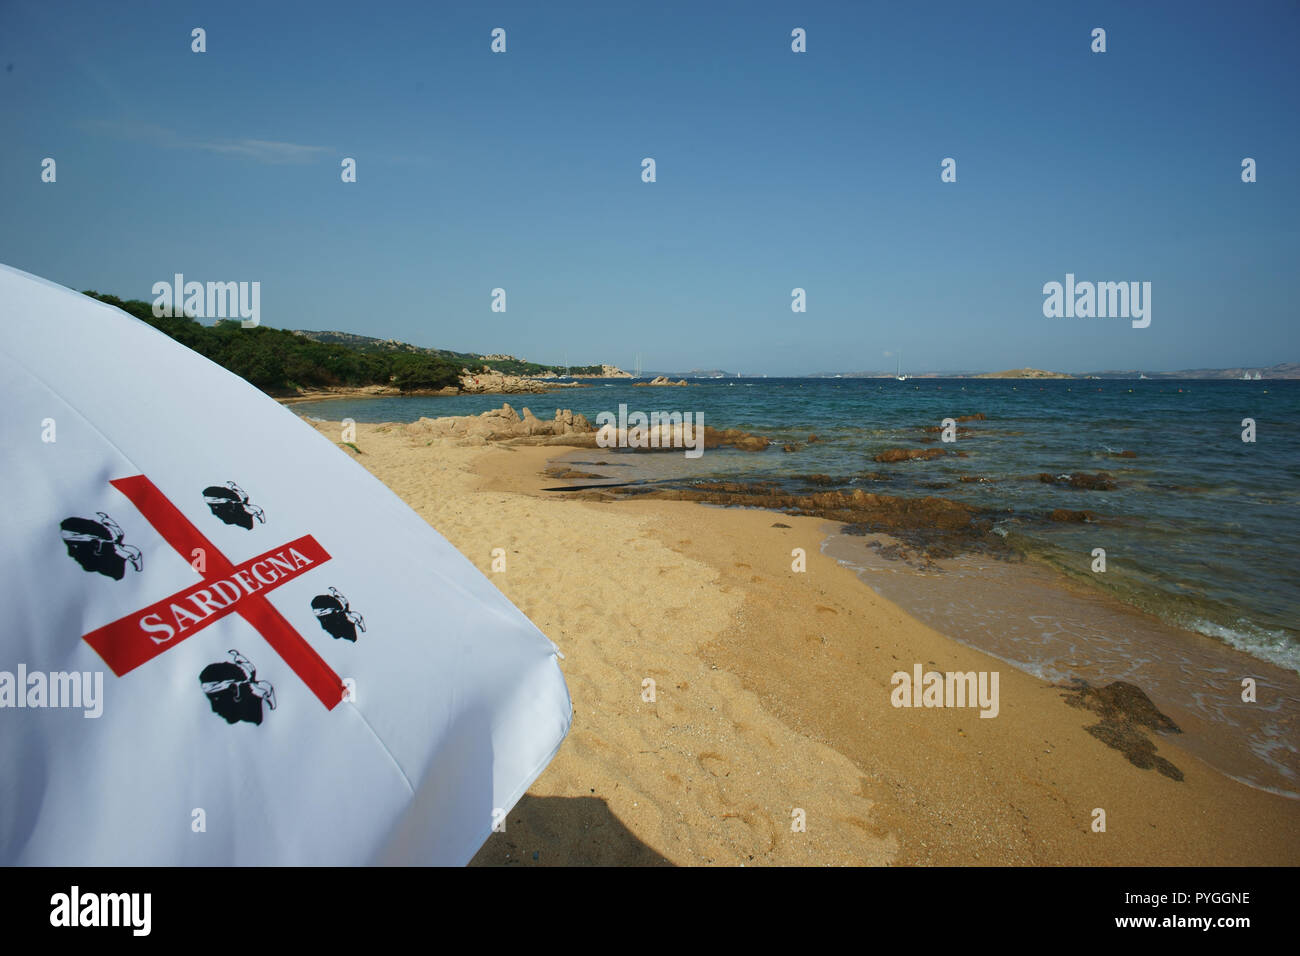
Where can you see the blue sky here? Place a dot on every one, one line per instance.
(775, 170)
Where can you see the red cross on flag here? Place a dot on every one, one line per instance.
(225, 641)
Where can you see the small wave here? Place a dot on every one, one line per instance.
(1276, 647)
(1276, 791)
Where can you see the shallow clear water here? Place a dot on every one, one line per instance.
(1037, 620)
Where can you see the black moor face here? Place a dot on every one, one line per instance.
(232, 513)
(231, 505)
(236, 706)
(337, 625)
(97, 546)
(97, 556)
(335, 617)
(234, 691)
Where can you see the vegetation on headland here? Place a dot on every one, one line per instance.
(506, 364)
(282, 362)
(279, 361)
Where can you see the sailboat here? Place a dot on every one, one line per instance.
(899, 374)
(1256, 378)
(1245, 376)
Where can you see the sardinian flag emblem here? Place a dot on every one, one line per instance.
(99, 545)
(225, 588)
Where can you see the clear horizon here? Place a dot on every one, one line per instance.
(775, 170)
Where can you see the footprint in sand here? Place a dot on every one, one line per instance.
(715, 764)
(759, 824)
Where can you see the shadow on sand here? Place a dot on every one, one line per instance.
(565, 831)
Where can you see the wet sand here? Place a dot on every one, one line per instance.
(1054, 627)
(772, 700)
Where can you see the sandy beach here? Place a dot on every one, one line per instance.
(772, 699)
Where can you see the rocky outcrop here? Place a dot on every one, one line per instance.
(1128, 716)
(505, 424)
(939, 526)
(734, 438)
(1098, 482)
(661, 380)
(913, 454)
(498, 383)
(1066, 515)
(673, 437)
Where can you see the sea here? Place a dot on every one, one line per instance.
(1199, 599)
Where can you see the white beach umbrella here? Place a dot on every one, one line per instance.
(225, 642)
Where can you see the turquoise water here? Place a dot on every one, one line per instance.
(1203, 529)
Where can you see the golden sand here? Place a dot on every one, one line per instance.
(772, 700)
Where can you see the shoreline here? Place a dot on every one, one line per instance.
(1061, 629)
(1029, 614)
(773, 695)
(387, 391)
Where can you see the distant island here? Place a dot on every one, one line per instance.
(1283, 370)
(1024, 373)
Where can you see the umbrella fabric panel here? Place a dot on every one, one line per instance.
(455, 701)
